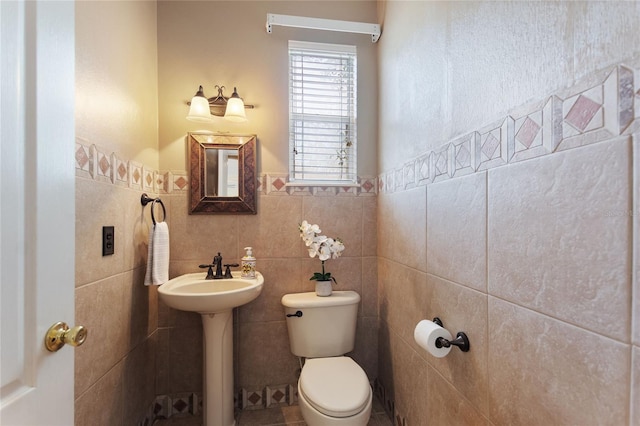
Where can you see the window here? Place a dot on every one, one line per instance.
(322, 113)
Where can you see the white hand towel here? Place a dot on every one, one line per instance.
(158, 255)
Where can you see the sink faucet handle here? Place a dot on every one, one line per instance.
(227, 271)
(209, 272)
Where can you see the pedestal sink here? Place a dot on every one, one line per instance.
(214, 300)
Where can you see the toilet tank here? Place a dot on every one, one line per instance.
(327, 326)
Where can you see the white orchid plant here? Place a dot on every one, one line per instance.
(322, 246)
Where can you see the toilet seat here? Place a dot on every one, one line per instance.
(336, 386)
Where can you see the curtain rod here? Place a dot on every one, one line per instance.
(323, 24)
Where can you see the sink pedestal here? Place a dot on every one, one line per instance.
(214, 300)
(218, 369)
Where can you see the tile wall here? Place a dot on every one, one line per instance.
(115, 368)
(265, 370)
(521, 234)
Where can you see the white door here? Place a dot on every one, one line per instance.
(37, 210)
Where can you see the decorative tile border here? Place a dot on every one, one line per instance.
(268, 397)
(191, 403)
(582, 116)
(94, 163)
(165, 406)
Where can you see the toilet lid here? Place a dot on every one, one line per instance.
(336, 386)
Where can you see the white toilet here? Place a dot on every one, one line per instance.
(333, 389)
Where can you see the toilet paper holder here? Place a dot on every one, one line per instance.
(461, 340)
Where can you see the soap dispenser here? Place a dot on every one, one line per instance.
(248, 264)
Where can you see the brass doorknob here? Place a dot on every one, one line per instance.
(60, 333)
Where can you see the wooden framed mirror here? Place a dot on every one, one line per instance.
(222, 173)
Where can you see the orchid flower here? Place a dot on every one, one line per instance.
(320, 245)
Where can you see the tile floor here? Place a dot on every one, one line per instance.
(285, 415)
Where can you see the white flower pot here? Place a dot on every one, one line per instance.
(324, 288)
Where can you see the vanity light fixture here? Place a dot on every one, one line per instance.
(202, 109)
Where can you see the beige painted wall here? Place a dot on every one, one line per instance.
(117, 79)
(225, 43)
(116, 127)
(534, 259)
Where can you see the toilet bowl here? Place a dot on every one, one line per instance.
(334, 391)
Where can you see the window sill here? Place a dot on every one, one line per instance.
(321, 183)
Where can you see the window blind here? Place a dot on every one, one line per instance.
(322, 112)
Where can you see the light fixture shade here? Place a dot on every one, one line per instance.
(199, 110)
(235, 108)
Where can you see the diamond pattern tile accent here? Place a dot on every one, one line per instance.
(82, 159)
(490, 146)
(181, 182)
(122, 171)
(254, 398)
(159, 182)
(278, 396)
(367, 185)
(104, 165)
(582, 112)
(463, 156)
(442, 163)
(527, 132)
(278, 184)
(180, 405)
(135, 175)
(495, 144)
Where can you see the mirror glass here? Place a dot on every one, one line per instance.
(222, 173)
(221, 179)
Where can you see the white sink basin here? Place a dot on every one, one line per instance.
(191, 292)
